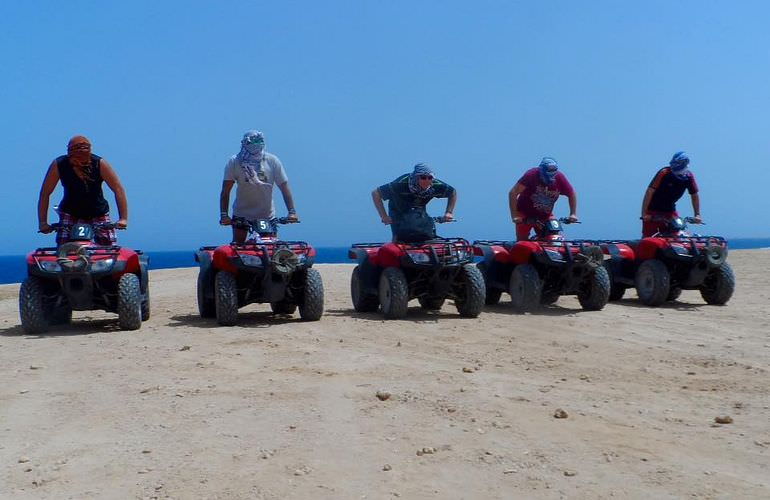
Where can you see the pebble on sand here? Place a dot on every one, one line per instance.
(467, 369)
(387, 467)
(723, 419)
(559, 413)
(23, 460)
(383, 395)
(570, 473)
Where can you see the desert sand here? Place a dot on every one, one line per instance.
(279, 408)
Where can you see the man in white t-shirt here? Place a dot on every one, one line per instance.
(255, 171)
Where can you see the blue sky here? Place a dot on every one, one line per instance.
(350, 94)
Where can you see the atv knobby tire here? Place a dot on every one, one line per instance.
(492, 295)
(472, 293)
(311, 307)
(394, 293)
(129, 302)
(719, 285)
(226, 298)
(283, 307)
(616, 289)
(653, 282)
(206, 307)
(362, 302)
(146, 305)
(34, 317)
(673, 293)
(525, 288)
(594, 291)
(431, 303)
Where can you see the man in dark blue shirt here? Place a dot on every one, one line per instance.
(407, 198)
(665, 189)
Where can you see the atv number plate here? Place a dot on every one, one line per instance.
(262, 226)
(81, 232)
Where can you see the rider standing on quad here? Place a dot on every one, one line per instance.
(666, 188)
(407, 197)
(81, 174)
(535, 194)
(255, 171)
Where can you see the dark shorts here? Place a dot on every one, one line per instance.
(101, 236)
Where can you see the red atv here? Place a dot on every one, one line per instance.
(83, 276)
(263, 269)
(670, 261)
(540, 270)
(389, 275)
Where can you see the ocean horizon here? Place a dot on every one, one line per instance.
(13, 268)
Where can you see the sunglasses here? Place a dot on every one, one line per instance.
(426, 177)
(255, 140)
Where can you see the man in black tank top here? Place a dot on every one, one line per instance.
(81, 174)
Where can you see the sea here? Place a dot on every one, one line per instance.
(13, 268)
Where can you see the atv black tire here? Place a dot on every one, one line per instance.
(226, 298)
(283, 307)
(653, 282)
(129, 302)
(472, 292)
(146, 305)
(594, 291)
(616, 289)
(673, 293)
(431, 303)
(361, 302)
(394, 293)
(206, 307)
(525, 288)
(34, 317)
(311, 307)
(492, 295)
(719, 285)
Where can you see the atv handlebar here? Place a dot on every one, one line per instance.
(443, 220)
(244, 223)
(96, 225)
(534, 221)
(662, 218)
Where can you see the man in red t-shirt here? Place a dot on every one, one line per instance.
(535, 194)
(668, 185)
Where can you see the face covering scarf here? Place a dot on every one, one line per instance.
(251, 154)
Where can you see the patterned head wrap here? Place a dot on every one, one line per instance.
(79, 151)
(414, 181)
(548, 168)
(251, 154)
(679, 164)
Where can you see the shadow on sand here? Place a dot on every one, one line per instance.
(254, 319)
(75, 328)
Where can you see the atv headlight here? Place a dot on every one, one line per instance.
(419, 257)
(49, 266)
(251, 260)
(680, 250)
(98, 266)
(553, 254)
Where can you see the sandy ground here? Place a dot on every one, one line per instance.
(279, 408)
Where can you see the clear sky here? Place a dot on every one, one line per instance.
(350, 94)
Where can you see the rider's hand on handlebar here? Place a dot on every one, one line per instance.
(121, 224)
(224, 220)
(387, 220)
(646, 217)
(292, 217)
(572, 218)
(45, 228)
(696, 219)
(448, 217)
(518, 220)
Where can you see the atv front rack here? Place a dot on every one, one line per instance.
(91, 250)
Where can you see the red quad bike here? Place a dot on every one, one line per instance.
(540, 270)
(663, 265)
(391, 274)
(263, 269)
(83, 276)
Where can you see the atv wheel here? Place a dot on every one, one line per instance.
(549, 298)
(594, 292)
(492, 296)
(146, 305)
(673, 293)
(719, 285)
(653, 282)
(394, 293)
(525, 288)
(206, 307)
(431, 303)
(226, 298)
(32, 311)
(129, 302)
(616, 289)
(311, 308)
(283, 307)
(361, 301)
(470, 300)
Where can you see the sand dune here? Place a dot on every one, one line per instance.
(279, 408)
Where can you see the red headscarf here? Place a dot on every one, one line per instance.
(79, 154)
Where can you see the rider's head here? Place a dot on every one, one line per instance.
(79, 150)
(548, 168)
(422, 177)
(253, 141)
(680, 164)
